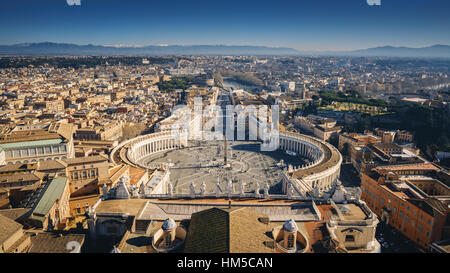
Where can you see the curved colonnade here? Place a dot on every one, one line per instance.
(323, 170)
(317, 176)
(134, 150)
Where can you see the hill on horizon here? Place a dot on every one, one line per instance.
(67, 49)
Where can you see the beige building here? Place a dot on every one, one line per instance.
(354, 139)
(404, 136)
(51, 210)
(12, 236)
(85, 174)
(209, 225)
(30, 145)
(320, 127)
(109, 131)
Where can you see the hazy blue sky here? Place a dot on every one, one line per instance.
(303, 25)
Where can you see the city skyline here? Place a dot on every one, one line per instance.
(305, 26)
(224, 126)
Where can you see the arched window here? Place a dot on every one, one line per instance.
(349, 238)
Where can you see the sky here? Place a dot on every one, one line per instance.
(303, 25)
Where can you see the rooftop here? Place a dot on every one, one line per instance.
(86, 160)
(7, 228)
(53, 193)
(408, 167)
(235, 230)
(30, 143)
(47, 242)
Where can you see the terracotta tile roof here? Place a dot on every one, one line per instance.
(431, 206)
(7, 228)
(24, 138)
(36, 176)
(14, 214)
(420, 167)
(86, 160)
(114, 170)
(51, 165)
(136, 175)
(18, 167)
(47, 242)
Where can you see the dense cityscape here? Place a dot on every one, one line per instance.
(89, 155)
(224, 135)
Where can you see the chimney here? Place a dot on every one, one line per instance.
(229, 203)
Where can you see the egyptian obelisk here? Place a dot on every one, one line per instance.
(225, 151)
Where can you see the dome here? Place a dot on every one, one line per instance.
(168, 224)
(290, 226)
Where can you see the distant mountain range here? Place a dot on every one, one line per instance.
(48, 48)
(437, 51)
(52, 49)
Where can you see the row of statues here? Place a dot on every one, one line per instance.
(339, 193)
(291, 168)
(218, 191)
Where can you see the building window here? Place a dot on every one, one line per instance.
(290, 242)
(349, 238)
(168, 240)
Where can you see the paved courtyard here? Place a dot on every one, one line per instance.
(204, 162)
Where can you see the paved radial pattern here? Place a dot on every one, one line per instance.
(204, 162)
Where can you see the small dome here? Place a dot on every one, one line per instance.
(169, 224)
(290, 226)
